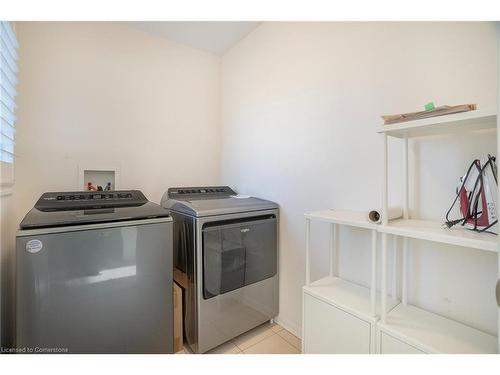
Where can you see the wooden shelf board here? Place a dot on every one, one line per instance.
(458, 122)
(433, 333)
(348, 296)
(349, 218)
(433, 231)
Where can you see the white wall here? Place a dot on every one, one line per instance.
(300, 104)
(106, 94)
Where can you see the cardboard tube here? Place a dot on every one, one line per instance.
(375, 216)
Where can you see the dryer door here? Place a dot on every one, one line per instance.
(238, 253)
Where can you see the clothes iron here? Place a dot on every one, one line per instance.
(477, 197)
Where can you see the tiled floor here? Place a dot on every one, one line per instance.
(265, 339)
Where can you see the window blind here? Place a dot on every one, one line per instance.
(8, 93)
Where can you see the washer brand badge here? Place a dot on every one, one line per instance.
(34, 246)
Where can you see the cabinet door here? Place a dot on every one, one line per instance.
(391, 345)
(330, 330)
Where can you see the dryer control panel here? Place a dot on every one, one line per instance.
(205, 192)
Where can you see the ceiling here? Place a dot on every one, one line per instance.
(216, 37)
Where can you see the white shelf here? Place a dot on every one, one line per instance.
(350, 218)
(413, 228)
(348, 296)
(458, 122)
(433, 231)
(435, 334)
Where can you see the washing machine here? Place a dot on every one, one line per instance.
(226, 261)
(94, 275)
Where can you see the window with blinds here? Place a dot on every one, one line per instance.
(8, 82)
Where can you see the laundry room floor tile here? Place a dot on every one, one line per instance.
(291, 339)
(265, 339)
(226, 348)
(274, 344)
(254, 336)
(276, 327)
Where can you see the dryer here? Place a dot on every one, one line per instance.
(225, 259)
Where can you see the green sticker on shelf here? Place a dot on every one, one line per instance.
(429, 106)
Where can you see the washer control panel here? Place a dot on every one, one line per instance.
(59, 201)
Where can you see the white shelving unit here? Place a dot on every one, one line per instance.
(340, 316)
(408, 328)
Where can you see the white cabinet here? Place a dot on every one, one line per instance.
(340, 316)
(391, 345)
(329, 329)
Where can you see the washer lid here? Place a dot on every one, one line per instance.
(77, 208)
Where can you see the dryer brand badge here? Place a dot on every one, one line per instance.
(34, 246)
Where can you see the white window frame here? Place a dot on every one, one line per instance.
(7, 178)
